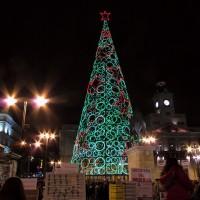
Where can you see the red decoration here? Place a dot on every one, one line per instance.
(105, 16)
(116, 73)
(124, 155)
(85, 145)
(82, 134)
(106, 34)
(105, 52)
(123, 103)
(92, 86)
(92, 108)
(80, 138)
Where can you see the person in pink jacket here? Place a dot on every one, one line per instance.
(175, 181)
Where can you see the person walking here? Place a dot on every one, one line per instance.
(12, 190)
(175, 181)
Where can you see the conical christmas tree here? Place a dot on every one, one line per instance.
(104, 128)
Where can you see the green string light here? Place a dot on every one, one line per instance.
(104, 128)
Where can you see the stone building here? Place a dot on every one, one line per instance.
(10, 132)
(67, 137)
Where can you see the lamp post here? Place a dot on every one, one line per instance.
(46, 136)
(24, 117)
(38, 101)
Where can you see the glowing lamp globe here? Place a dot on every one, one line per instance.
(40, 101)
(10, 101)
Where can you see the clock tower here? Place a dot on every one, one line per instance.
(163, 100)
(164, 114)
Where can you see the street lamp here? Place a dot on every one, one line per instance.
(59, 162)
(37, 144)
(23, 143)
(46, 136)
(38, 101)
(55, 164)
(10, 100)
(28, 146)
(149, 140)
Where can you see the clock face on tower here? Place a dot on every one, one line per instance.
(166, 102)
(157, 104)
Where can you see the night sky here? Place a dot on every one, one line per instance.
(53, 47)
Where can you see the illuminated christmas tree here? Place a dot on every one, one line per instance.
(104, 128)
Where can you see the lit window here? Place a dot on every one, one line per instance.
(1, 126)
(6, 150)
(10, 131)
(157, 104)
(6, 129)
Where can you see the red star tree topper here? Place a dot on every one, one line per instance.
(105, 16)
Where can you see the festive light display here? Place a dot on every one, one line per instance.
(104, 128)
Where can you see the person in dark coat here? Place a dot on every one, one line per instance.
(105, 190)
(175, 181)
(196, 194)
(12, 190)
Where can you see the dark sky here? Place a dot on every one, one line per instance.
(54, 46)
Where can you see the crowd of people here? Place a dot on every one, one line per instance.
(173, 181)
(97, 190)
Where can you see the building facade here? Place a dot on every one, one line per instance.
(174, 138)
(164, 114)
(10, 133)
(67, 137)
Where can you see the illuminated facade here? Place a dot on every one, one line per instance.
(174, 138)
(165, 114)
(9, 134)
